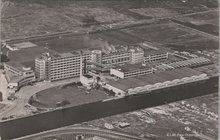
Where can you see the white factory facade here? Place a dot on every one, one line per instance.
(54, 67)
(155, 81)
(57, 66)
(18, 76)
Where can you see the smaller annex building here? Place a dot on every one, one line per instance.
(155, 81)
(131, 70)
(18, 75)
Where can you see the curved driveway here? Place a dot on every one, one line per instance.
(17, 107)
(112, 135)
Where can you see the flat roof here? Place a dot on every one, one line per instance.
(16, 65)
(131, 67)
(125, 84)
(72, 53)
(16, 79)
(20, 66)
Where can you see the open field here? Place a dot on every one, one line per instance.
(25, 18)
(34, 17)
(159, 32)
(186, 118)
(209, 17)
(172, 35)
(119, 37)
(72, 94)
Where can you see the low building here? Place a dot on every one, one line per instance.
(18, 75)
(18, 46)
(123, 124)
(131, 70)
(19, 81)
(155, 81)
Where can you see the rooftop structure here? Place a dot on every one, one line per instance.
(131, 70)
(131, 67)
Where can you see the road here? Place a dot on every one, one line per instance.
(17, 107)
(113, 135)
(3, 85)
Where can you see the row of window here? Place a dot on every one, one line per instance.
(64, 66)
(116, 60)
(137, 73)
(69, 59)
(152, 60)
(63, 76)
(62, 71)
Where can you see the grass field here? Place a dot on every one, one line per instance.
(204, 18)
(119, 37)
(72, 94)
(159, 33)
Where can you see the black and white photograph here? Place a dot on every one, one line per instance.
(109, 69)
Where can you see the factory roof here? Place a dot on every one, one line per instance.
(131, 67)
(73, 53)
(16, 79)
(16, 65)
(150, 79)
(25, 57)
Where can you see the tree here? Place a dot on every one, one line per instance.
(4, 58)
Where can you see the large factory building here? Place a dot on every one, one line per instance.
(155, 81)
(60, 66)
